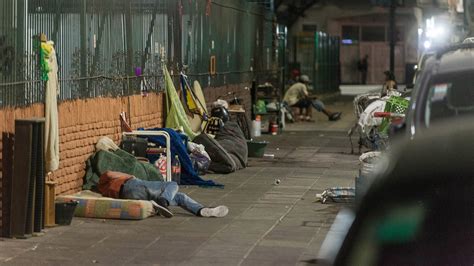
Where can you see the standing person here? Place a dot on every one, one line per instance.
(297, 96)
(390, 83)
(162, 194)
(363, 67)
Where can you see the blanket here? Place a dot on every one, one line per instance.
(228, 151)
(221, 161)
(232, 139)
(119, 161)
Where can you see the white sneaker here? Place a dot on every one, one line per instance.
(219, 211)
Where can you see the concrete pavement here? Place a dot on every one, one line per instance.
(268, 224)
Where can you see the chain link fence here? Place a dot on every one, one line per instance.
(117, 47)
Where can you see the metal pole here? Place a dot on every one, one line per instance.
(392, 36)
(84, 63)
(21, 24)
(129, 37)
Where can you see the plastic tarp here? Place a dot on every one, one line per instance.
(176, 117)
(367, 119)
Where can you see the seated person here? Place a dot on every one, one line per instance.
(162, 194)
(297, 96)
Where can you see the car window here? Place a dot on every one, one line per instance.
(449, 96)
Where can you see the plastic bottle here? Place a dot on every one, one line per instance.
(176, 170)
(256, 127)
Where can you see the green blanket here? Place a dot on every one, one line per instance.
(120, 161)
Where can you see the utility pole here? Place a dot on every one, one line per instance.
(392, 31)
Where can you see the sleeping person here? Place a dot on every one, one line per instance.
(161, 193)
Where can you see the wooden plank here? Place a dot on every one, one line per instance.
(20, 178)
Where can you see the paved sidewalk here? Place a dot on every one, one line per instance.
(268, 224)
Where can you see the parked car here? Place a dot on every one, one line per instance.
(443, 90)
(418, 211)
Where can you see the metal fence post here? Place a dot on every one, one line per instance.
(129, 37)
(19, 67)
(84, 60)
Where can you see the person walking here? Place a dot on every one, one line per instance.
(162, 194)
(297, 96)
(363, 68)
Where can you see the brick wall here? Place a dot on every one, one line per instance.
(81, 123)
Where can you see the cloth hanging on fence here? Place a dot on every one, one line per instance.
(176, 117)
(51, 129)
(179, 147)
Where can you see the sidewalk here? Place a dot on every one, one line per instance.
(268, 224)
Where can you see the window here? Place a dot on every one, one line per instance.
(449, 96)
(373, 33)
(350, 35)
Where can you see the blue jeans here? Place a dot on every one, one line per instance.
(305, 103)
(151, 190)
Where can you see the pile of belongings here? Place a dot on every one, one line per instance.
(109, 156)
(368, 125)
(198, 152)
(226, 146)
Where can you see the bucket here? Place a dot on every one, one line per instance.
(65, 212)
(256, 148)
(368, 162)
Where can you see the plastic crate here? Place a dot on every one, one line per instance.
(395, 104)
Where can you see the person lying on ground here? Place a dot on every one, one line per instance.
(162, 194)
(297, 96)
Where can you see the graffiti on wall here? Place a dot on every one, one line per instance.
(7, 56)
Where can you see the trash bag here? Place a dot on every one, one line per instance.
(200, 163)
(221, 161)
(337, 194)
